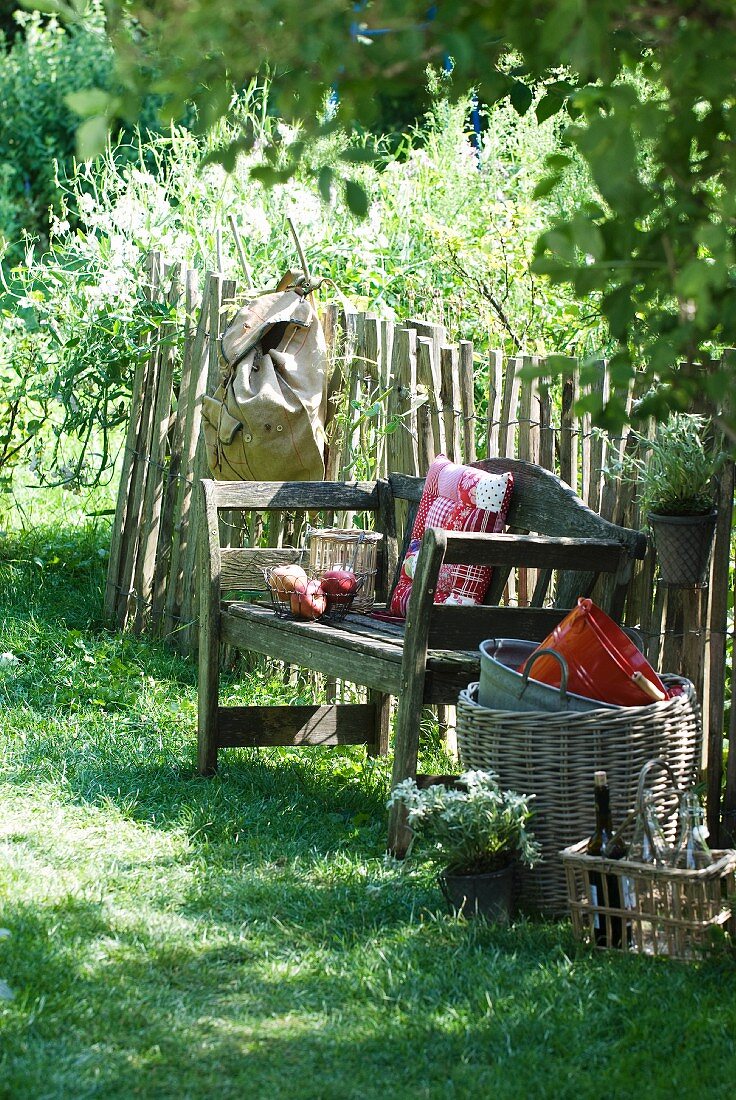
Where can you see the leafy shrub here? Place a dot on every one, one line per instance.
(39, 69)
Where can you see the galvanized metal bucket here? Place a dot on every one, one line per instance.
(501, 687)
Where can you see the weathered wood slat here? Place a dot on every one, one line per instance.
(509, 409)
(413, 674)
(598, 447)
(528, 444)
(131, 536)
(121, 523)
(569, 428)
(466, 627)
(495, 394)
(467, 399)
(314, 645)
(546, 431)
(352, 379)
(374, 438)
(436, 335)
(535, 551)
(451, 401)
(715, 649)
(183, 548)
(405, 382)
(166, 579)
(336, 724)
(242, 567)
(356, 496)
(214, 290)
(427, 414)
(405, 487)
(154, 495)
(333, 338)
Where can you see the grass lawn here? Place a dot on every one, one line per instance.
(242, 937)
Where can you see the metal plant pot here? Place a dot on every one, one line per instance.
(684, 545)
(487, 895)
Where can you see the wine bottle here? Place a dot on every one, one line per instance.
(604, 889)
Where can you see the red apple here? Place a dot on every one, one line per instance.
(284, 578)
(339, 582)
(308, 600)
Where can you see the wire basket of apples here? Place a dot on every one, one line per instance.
(297, 595)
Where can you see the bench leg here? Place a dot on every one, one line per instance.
(382, 704)
(446, 721)
(208, 697)
(406, 753)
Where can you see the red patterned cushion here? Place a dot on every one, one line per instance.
(456, 498)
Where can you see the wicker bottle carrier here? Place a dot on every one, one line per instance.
(670, 911)
(553, 756)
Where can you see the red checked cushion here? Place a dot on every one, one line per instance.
(456, 498)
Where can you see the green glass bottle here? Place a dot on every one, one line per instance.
(604, 889)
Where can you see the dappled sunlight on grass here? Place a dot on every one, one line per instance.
(245, 936)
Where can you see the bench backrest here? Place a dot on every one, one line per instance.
(541, 505)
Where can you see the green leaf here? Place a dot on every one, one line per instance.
(555, 270)
(46, 7)
(356, 198)
(265, 174)
(548, 105)
(560, 242)
(358, 155)
(521, 97)
(556, 161)
(91, 101)
(587, 236)
(324, 182)
(546, 186)
(92, 137)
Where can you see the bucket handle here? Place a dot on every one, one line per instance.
(546, 653)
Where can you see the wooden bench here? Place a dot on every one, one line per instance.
(431, 657)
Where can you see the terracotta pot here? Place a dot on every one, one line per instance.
(488, 895)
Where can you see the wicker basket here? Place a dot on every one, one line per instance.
(673, 912)
(553, 756)
(332, 547)
(650, 909)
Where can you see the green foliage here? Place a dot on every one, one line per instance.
(449, 235)
(643, 92)
(38, 72)
(67, 364)
(472, 828)
(675, 469)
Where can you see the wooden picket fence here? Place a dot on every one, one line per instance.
(399, 393)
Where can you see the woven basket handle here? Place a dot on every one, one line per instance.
(546, 653)
(650, 765)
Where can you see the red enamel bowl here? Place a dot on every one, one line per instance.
(602, 662)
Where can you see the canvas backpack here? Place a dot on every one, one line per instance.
(265, 420)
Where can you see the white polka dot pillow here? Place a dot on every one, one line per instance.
(456, 498)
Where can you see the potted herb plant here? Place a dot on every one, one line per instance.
(675, 477)
(474, 832)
